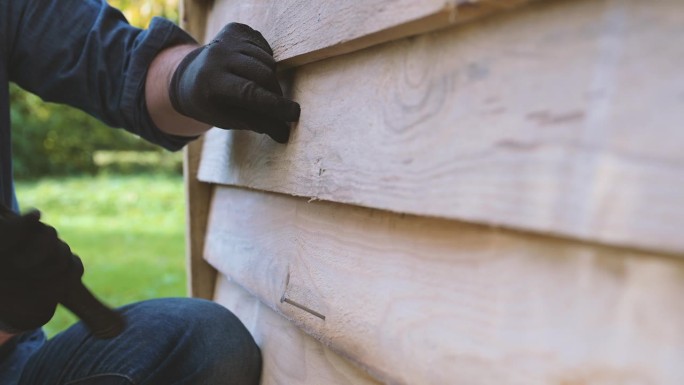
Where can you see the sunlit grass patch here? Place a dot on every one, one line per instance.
(128, 230)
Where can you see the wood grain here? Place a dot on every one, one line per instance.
(193, 16)
(564, 117)
(289, 355)
(201, 276)
(302, 31)
(429, 301)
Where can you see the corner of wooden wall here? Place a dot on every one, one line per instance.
(200, 275)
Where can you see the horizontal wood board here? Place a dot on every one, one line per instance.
(430, 301)
(302, 31)
(289, 355)
(562, 117)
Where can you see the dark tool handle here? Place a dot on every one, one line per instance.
(102, 321)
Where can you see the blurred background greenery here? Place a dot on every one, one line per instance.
(54, 140)
(117, 200)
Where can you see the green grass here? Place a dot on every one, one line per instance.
(128, 230)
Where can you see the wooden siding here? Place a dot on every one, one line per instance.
(290, 357)
(402, 295)
(541, 119)
(465, 200)
(302, 31)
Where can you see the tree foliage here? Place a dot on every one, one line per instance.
(140, 12)
(51, 139)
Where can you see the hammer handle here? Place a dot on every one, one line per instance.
(102, 321)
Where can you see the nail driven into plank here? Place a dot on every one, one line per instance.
(295, 304)
(302, 307)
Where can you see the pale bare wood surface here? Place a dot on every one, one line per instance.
(302, 31)
(200, 275)
(430, 301)
(563, 117)
(193, 15)
(290, 357)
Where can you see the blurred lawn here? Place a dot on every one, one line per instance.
(128, 230)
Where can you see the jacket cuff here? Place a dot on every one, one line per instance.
(160, 35)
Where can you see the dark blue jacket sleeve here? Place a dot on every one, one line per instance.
(85, 54)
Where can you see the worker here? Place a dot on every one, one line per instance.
(161, 85)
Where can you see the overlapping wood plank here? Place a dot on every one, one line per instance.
(429, 301)
(302, 31)
(563, 117)
(289, 355)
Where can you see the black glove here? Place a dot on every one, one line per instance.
(231, 83)
(36, 268)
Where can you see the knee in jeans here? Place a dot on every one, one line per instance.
(213, 337)
(231, 348)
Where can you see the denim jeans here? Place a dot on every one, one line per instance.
(167, 341)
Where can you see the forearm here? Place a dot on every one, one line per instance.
(159, 105)
(4, 337)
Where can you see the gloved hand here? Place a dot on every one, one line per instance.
(231, 83)
(36, 268)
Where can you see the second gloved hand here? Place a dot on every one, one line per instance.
(231, 83)
(36, 268)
